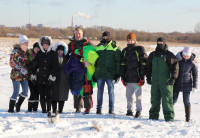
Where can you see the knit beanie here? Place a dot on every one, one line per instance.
(60, 47)
(36, 45)
(187, 51)
(131, 36)
(23, 39)
(161, 39)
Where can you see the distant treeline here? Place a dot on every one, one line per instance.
(95, 32)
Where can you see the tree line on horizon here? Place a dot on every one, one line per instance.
(95, 33)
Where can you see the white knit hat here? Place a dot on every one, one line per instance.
(22, 39)
(187, 51)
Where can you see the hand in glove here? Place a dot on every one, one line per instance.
(117, 76)
(33, 79)
(141, 83)
(124, 82)
(170, 82)
(51, 79)
(194, 90)
(149, 81)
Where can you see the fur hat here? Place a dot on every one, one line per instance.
(187, 51)
(60, 47)
(131, 36)
(23, 39)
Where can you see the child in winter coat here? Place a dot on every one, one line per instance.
(187, 80)
(45, 67)
(34, 92)
(60, 90)
(133, 62)
(19, 73)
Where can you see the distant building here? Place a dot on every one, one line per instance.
(2, 26)
(28, 25)
(40, 25)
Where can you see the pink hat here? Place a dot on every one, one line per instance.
(187, 51)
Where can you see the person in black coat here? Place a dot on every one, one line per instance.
(44, 73)
(132, 71)
(187, 80)
(61, 87)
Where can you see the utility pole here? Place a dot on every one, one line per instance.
(29, 27)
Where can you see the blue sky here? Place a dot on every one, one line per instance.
(141, 15)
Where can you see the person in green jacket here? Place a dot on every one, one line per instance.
(161, 71)
(107, 69)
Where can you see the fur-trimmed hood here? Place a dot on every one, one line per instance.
(193, 57)
(50, 46)
(62, 44)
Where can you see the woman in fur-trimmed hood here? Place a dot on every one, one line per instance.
(45, 67)
(60, 90)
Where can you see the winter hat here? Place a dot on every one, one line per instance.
(23, 39)
(45, 41)
(161, 39)
(60, 47)
(106, 33)
(187, 51)
(36, 45)
(131, 36)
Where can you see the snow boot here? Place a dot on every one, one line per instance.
(35, 106)
(30, 106)
(78, 110)
(11, 106)
(137, 115)
(111, 111)
(43, 106)
(19, 103)
(87, 111)
(60, 107)
(129, 113)
(54, 106)
(187, 113)
(98, 111)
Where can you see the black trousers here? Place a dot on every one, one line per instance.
(34, 92)
(79, 100)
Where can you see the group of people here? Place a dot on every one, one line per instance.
(50, 71)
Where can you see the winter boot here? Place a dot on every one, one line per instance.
(19, 103)
(60, 107)
(35, 106)
(49, 102)
(78, 110)
(129, 113)
(111, 111)
(30, 106)
(187, 113)
(54, 106)
(137, 115)
(98, 111)
(11, 106)
(87, 111)
(43, 106)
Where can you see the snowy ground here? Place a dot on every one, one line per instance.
(78, 125)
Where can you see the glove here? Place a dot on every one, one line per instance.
(194, 90)
(33, 79)
(141, 83)
(170, 82)
(24, 71)
(117, 76)
(124, 82)
(149, 81)
(51, 79)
